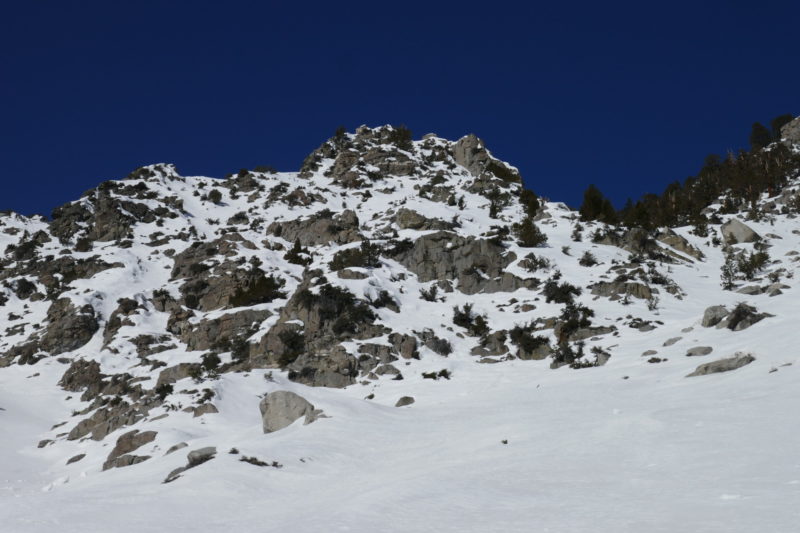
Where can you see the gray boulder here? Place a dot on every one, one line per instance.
(405, 400)
(280, 409)
(699, 350)
(713, 315)
(734, 231)
(200, 456)
(723, 365)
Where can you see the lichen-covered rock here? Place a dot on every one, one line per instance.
(280, 408)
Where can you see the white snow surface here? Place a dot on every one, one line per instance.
(630, 446)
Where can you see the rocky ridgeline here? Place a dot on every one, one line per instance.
(380, 251)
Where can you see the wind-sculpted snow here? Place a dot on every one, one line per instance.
(142, 328)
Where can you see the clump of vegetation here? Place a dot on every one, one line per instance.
(530, 201)
(532, 263)
(294, 344)
(214, 196)
(383, 299)
(521, 336)
(528, 234)
(401, 137)
(587, 259)
(475, 324)
(750, 264)
(210, 362)
(339, 307)
(573, 317)
(260, 289)
(298, 255)
(366, 256)
(164, 390)
(443, 374)
(430, 294)
(561, 293)
(503, 172)
(440, 346)
(597, 207)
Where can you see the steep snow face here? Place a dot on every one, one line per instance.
(154, 304)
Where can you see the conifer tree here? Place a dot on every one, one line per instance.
(759, 136)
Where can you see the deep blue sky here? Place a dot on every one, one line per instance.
(630, 96)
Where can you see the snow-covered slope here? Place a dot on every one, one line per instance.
(154, 305)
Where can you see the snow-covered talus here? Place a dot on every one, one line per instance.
(549, 382)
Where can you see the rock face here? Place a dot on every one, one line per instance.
(723, 365)
(322, 228)
(280, 408)
(70, 328)
(478, 265)
(735, 231)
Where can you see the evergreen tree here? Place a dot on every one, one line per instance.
(777, 123)
(529, 235)
(760, 136)
(530, 201)
(597, 207)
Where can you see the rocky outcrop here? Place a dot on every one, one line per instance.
(321, 228)
(410, 219)
(478, 265)
(127, 443)
(177, 373)
(723, 365)
(790, 132)
(734, 231)
(673, 240)
(69, 327)
(208, 333)
(308, 335)
(619, 289)
(742, 317)
(280, 409)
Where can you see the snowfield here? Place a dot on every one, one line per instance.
(504, 445)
